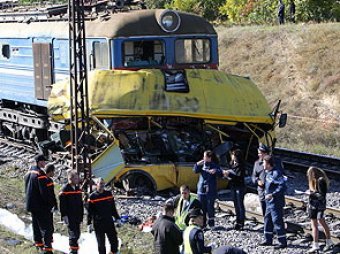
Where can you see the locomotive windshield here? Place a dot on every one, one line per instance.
(192, 51)
(143, 53)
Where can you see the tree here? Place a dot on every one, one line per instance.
(204, 8)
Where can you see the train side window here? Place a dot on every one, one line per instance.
(192, 50)
(143, 53)
(5, 51)
(101, 55)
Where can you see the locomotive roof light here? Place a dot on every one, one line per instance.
(169, 21)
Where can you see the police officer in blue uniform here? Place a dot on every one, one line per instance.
(209, 170)
(274, 196)
(258, 174)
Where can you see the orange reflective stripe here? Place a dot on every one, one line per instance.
(70, 192)
(39, 244)
(74, 247)
(101, 199)
(48, 249)
(50, 184)
(42, 177)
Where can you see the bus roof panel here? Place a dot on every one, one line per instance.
(213, 95)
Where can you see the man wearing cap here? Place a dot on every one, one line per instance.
(40, 203)
(167, 235)
(258, 175)
(193, 237)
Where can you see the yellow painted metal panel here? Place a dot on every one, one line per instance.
(109, 163)
(213, 95)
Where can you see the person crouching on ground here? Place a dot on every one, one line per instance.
(167, 235)
(183, 202)
(318, 186)
(193, 237)
(101, 209)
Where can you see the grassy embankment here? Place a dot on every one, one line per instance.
(298, 64)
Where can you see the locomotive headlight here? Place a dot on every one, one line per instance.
(169, 21)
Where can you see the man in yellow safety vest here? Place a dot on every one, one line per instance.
(183, 203)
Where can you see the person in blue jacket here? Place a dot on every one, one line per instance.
(274, 195)
(209, 170)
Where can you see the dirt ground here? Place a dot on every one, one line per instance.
(12, 199)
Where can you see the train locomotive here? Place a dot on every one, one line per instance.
(157, 99)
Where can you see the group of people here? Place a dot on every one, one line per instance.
(180, 228)
(281, 12)
(41, 202)
(186, 215)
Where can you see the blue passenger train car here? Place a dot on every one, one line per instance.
(34, 54)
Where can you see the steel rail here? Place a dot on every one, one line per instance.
(330, 164)
(254, 216)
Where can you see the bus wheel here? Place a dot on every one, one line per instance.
(138, 184)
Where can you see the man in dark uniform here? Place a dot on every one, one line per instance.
(275, 187)
(49, 170)
(281, 13)
(39, 202)
(101, 210)
(207, 185)
(193, 237)
(167, 235)
(258, 175)
(72, 209)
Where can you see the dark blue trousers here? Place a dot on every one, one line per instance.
(207, 202)
(238, 198)
(274, 219)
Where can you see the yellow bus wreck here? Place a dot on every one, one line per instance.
(154, 134)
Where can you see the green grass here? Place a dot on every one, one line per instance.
(299, 65)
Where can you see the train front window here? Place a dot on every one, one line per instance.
(143, 53)
(192, 51)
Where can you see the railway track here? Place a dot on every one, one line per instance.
(13, 150)
(292, 227)
(302, 160)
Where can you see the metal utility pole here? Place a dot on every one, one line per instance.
(79, 103)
